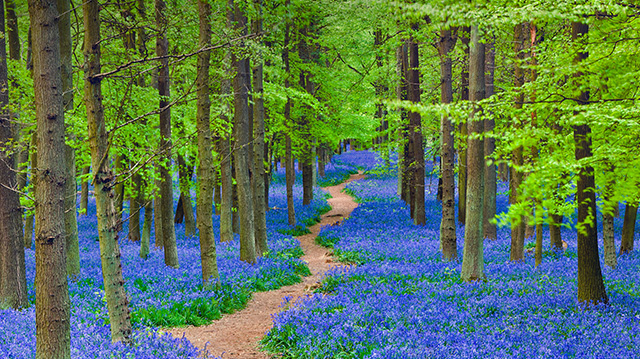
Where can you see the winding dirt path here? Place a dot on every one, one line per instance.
(237, 335)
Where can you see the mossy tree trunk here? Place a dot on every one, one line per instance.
(103, 179)
(52, 292)
(473, 256)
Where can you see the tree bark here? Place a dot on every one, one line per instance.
(168, 233)
(518, 229)
(415, 128)
(490, 175)
(473, 256)
(206, 174)
(103, 178)
(628, 228)
(84, 190)
(52, 292)
(590, 284)
(447, 152)
(13, 284)
(70, 190)
(608, 238)
(462, 147)
(226, 187)
(258, 178)
(290, 174)
(243, 136)
(33, 159)
(185, 171)
(136, 203)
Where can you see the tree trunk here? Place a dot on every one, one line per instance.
(33, 159)
(473, 256)
(590, 284)
(608, 238)
(258, 178)
(448, 223)
(226, 187)
(185, 171)
(70, 189)
(52, 292)
(13, 284)
(415, 128)
(115, 295)
(136, 204)
(517, 230)
(490, 175)
(84, 190)
(206, 174)
(462, 147)
(168, 233)
(243, 138)
(118, 189)
(628, 228)
(145, 237)
(290, 174)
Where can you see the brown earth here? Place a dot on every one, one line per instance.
(237, 335)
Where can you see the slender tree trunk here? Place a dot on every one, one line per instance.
(490, 175)
(590, 284)
(517, 230)
(258, 178)
(145, 237)
(33, 159)
(226, 187)
(462, 146)
(168, 233)
(447, 152)
(185, 171)
(415, 128)
(608, 238)
(290, 173)
(52, 292)
(205, 156)
(84, 190)
(118, 189)
(136, 204)
(473, 256)
(243, 138)
(13, 288)
(628, 228)
(115, 295)
(70, 190)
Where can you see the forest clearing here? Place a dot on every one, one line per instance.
(319, 179)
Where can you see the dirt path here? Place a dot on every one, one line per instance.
(237, 335)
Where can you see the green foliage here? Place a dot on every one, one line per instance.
(295, 231)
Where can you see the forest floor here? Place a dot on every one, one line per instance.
(237, 335)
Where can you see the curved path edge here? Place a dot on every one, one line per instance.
(237, 335)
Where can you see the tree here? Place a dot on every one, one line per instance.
(258, 178)
(167, 234)
(52, 291)
(243, 136)
(516, 177)
(415, 132)
(473, 256)
(205, 157)
(490, 175)
(13, 283)
(70, 214)
(448, 222)
(590, 285)
(103, 179)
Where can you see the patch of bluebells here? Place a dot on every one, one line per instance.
(151, 286)
(403, 301)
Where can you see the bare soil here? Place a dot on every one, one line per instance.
(237, 335)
